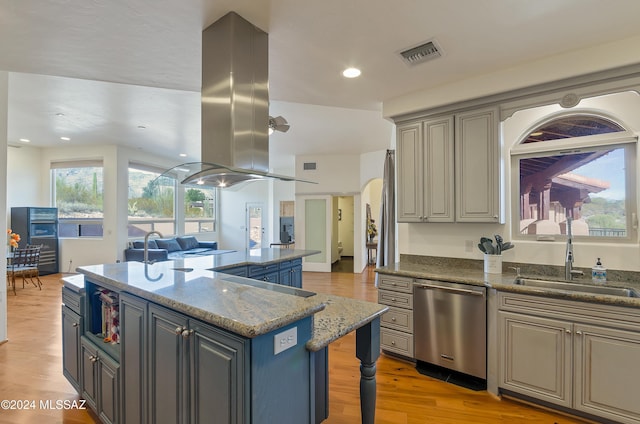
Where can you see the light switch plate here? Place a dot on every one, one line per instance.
(285, 340)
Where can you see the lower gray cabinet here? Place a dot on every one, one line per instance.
(196, 372)
(133, 362)
(72, 329)
(100, 382)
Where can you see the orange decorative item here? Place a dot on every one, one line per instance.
(14, 238)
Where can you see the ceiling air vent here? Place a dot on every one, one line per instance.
(309, 166)
(421, 53)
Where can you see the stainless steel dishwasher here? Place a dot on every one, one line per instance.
(450, 326)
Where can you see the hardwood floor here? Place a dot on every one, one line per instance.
(30, 369)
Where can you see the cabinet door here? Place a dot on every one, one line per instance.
(108, 393)
(409, 173)
(607, 375)
(437, 174)
(89, 374)
(133, 344)
(296, 276)
(217, 380)
(71, 332)
(167, 366)
(477, 151)
(535, 357)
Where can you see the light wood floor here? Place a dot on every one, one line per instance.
(30, 369)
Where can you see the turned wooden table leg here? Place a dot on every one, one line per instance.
(368, 351)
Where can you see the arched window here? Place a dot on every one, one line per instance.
(580, 166)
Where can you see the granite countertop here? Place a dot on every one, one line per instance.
(239, 258)
(241, 305)
(443, 271)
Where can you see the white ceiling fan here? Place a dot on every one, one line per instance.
(278, 124)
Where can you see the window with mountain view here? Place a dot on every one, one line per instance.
(577, 166)
(151, 202)
(78, 195)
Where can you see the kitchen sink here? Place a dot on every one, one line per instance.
(576, 287)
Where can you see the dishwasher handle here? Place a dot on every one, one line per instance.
(451, 289)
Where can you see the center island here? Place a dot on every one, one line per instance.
(209, 339)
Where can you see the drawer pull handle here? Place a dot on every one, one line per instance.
(393, 319)
(452, 289)
(393, 343)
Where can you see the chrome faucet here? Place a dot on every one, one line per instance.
(146, 244)
(569, 272)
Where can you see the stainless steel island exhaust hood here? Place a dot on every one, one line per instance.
(235, 107)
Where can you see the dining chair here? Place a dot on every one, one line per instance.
(24, 263)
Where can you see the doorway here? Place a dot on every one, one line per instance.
(343, 234)
(254, 225)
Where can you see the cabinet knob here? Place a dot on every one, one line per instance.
(75, 324)
(567, 331)
(579, 332)
(179, 330)
(393, 299)
(93, 358)
(186, 333)
(393, 343)
(393, 319)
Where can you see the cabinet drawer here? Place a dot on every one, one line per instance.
(398, 319)
(255, 270)
(396, 341)
(72, 300)
(400, 284)
(400, 300)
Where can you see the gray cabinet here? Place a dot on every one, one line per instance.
(425, 175)
(196, 372)
(72, 329)
(606, 384)
(449, 168)
(133, 346)
(477, 167)
(571, 354)
(536, 357)
(100, 382)
(396, 325)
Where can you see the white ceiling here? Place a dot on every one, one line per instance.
(111, 66)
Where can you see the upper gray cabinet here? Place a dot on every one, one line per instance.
(478, 166)
(449, 173)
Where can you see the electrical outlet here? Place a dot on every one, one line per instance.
(285, 340)
(468, 245)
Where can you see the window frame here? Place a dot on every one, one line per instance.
(622, 139)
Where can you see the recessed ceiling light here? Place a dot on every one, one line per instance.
(65, 138)
(351, 72)
(25, 140)
(59, 114)
(183, 155)
(142, 127)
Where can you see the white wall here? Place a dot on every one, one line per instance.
(343, 175)
(4, 113)
(552, 68)
(450, 240)
(232, 230)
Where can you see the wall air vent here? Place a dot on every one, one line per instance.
(421, 53)
(309, 166)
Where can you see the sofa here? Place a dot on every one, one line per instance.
(163, 249)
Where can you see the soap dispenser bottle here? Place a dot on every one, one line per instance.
(599, 273)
